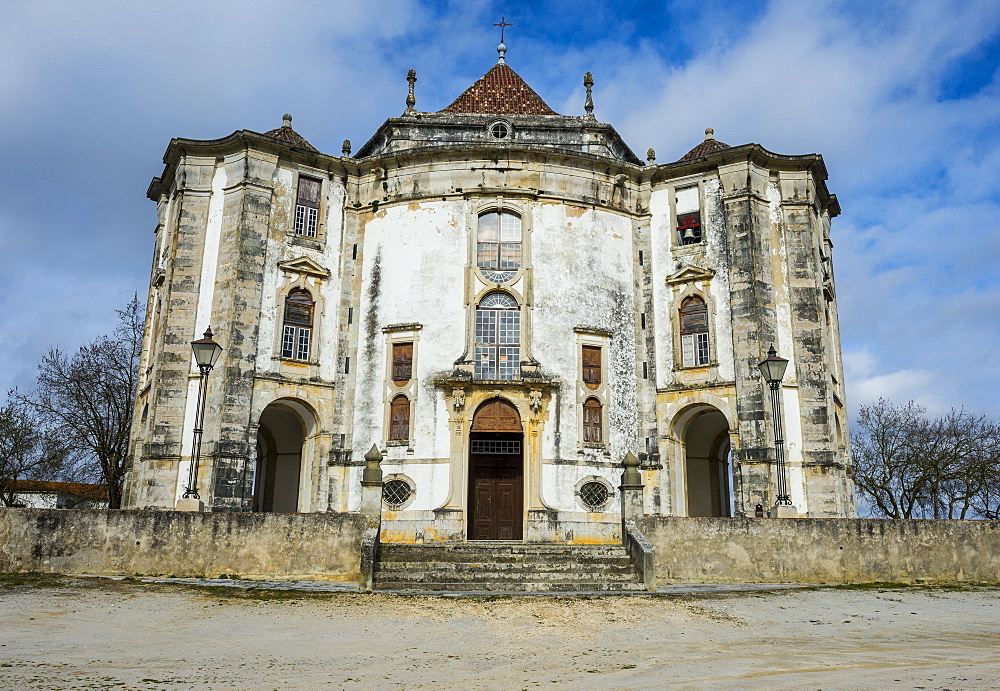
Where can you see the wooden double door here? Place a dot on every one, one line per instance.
(496, 487)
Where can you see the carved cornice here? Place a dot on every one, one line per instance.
(304, 266)
(689, 274)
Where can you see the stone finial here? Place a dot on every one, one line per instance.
(411, 100)
(651, 156)
(709, 133)
(631, 475)
(286, 120)
(588, 81)
(346, 148)
(372, 474)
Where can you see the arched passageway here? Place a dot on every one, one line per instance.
(496, 473)
(278, 468)
(707, 469)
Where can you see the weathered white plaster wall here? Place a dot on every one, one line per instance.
(669, 256)
(421, 253)
(431, 480)
(582, 261)
(325, 292)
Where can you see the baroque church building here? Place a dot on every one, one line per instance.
(504, 301)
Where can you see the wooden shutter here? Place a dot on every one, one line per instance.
(298, 308)
(399, 419)
(591, 366)
(402, 362)
(309, 191)
(592, 421)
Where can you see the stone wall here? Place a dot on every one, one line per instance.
(255, 545)
(818, 550)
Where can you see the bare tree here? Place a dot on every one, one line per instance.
(28, 450)
(909, 466)
(89, 396)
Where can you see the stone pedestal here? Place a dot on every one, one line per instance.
(784, 511)
(631, 489)
(371, 484)
(190, 504)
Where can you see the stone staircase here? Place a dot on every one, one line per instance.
(497, 566)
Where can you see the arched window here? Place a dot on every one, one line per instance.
(592, 427)
(399, 419)
(296, 335)
(499, 245)
(498, 338)
(694, 332)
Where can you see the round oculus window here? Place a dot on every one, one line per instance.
(594, 495)
(499, 130)
(395, 493)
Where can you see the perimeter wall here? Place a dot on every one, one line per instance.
(823, 550)
(254, 545)
(327, 546)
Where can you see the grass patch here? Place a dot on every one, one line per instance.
(9, 581)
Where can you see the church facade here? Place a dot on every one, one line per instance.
(504, 301)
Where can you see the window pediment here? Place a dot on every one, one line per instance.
(305, 267)
(689, 274)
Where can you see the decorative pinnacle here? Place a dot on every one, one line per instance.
(372, 474)
(631, 475)
(651, 156)
(411, 100)
(286, 120)
(588, 81)
(709, 133)
(346, 148)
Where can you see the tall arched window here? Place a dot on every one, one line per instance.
(593, 432)
(296, 335)
(498, 338)
(499, 245)
(694, 332)
(399, 419)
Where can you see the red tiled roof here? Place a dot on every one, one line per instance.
(287, 134)
(77, 489)
(709, 146)
(500, 91)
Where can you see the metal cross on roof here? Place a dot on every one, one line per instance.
(503, 23)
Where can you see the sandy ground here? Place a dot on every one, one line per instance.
(95, 633)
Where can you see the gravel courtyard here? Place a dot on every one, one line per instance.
(58, 633)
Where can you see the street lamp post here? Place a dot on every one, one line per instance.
(206, 352)
(773, 369)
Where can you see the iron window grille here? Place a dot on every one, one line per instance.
(395, 493)
(594, 495)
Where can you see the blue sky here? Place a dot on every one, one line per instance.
(901, 98)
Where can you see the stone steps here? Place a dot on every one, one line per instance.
(504, 566)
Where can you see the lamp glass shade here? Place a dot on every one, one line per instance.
(206, 351)
(773, 367)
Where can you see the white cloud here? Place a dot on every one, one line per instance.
(90, 94)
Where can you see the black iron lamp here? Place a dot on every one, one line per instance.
(206, 353)
(773, 369)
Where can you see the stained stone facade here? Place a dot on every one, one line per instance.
(505, 301)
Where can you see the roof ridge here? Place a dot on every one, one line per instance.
(500, 91)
